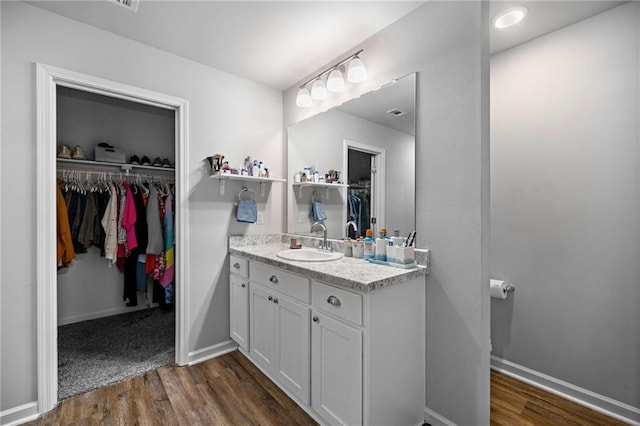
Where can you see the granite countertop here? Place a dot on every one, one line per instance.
(348, 272)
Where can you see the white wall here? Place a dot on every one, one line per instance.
(320, 141)
(447, 44)
(227, 114)
(565, 203)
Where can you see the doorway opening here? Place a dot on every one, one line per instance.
(49, 79)
(365, 169)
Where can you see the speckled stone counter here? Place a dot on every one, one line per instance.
(348, 272)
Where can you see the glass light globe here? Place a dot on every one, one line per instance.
(335, 82)
(318, 90)
(303, 99)
(356, 72)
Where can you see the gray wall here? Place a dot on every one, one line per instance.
(565, 203)
(31, 35)
(87, 119)
(446, 43)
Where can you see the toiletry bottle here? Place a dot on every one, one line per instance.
(256, 169)
(296, 177)
(381, 246)
(358, 248)
(369, 245)
(316, 176)
(305, 174)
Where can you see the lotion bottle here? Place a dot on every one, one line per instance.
(369, 245)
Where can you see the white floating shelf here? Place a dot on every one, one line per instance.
(324, 185)
(223, 177)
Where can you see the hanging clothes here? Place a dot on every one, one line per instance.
(65, 252)
(167, 277)
(110, 225)
(129, 218)
(155, 245)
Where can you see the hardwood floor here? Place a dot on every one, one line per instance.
(230, 390)
(517, 403)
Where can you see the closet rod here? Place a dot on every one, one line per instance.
(85, 174)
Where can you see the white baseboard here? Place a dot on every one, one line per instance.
(102, 314)
(18, 415)
(597, 402)
(436, 419)
(213, 351)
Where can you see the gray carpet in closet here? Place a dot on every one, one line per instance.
(103, 351)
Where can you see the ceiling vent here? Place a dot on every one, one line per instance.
(131, 5)
(396, 112)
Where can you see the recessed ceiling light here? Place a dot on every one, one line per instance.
(509, 17)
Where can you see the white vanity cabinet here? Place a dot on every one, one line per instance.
(239, 301)
(347, 357)
(280, 327)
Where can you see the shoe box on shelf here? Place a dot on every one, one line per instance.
(108, 153)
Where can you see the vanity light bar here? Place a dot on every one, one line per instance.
(356, 73)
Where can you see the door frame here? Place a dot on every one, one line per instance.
(47, 79)
(380, 180)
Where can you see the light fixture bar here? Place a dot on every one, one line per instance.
(317, 76)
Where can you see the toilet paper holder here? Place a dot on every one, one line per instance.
(509, 289)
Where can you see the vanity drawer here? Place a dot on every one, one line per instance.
(239, 266)
(341, 303)
(280, 280)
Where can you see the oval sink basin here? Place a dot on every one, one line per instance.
(308, 255)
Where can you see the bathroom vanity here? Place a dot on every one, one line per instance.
(344, 338)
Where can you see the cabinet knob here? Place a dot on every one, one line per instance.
(332, 300)
(316, 319)
(275, 300)
(236, 265)
(270, 298)
(243, 285)
(273, 279)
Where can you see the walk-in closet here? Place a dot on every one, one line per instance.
(360, 166)
(116, 208)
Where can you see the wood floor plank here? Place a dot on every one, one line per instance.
(230, 391)
(541, 407)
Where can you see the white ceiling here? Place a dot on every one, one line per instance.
(275, 43)
(278, 43)
(542, 18)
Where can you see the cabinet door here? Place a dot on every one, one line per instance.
(336, 371)
(262, 327)
(293, 347)
(239, 306)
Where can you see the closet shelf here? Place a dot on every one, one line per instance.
(113, 166)
(223, 177)
(325, 185)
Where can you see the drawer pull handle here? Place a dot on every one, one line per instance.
(332, 300)
(243, 285)
(316, 319)
(275, 300)
(273, 279)
(236, 265)
(270, 298)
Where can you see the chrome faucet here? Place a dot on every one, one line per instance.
(352, 224)
(324, 245)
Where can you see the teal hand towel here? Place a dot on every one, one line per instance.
(318, 212)
(247, 211)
